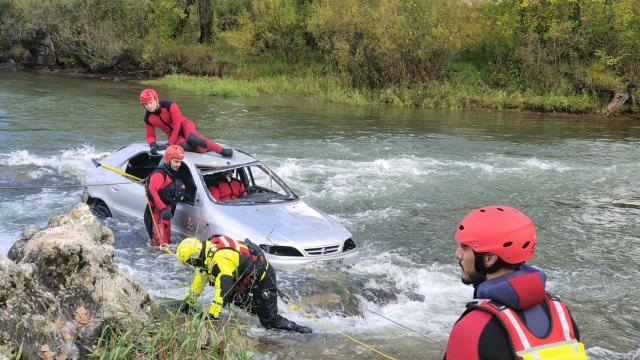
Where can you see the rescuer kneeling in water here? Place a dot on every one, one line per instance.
(515, 318)
(241, 275)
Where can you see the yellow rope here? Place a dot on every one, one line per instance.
(334, 328)
(121, 172)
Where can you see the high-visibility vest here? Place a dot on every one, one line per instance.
(252, 259)
(560, 344)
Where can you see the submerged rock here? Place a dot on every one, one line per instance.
(60, 287)
(330, 294)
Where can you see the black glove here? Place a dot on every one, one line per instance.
(153, 148)
(163, 146)
(166, 214)
(227, 152)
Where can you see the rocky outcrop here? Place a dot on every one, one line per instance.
(59, 287)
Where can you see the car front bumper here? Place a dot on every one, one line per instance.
(348, 258)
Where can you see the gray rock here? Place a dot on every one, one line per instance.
(60, 287)
(16, 251)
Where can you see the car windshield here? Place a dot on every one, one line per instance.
(246, 185)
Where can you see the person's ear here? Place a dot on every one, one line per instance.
(490, 259)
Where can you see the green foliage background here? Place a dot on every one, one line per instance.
(549, 55)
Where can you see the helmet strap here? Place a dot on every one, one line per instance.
(480, 270)
(199, 262)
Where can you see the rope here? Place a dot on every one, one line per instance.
(287, 300)
(63, 186)
(401, 325)
(137, 180)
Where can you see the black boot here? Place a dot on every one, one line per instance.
(288, 325)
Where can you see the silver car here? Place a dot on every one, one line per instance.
(290, 232)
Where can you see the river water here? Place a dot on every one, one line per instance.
(398, 179)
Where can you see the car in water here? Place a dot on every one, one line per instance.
(291, 232)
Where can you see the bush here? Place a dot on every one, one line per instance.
(273, 27)
(19, 54)
(387, 41)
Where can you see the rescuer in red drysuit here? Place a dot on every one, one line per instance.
(166, 116)
(228, 188)
(163, 189)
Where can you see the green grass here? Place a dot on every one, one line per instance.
(466, 90)
(169, 335)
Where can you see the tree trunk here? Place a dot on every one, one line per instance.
(205, 11)
(186, 8)
(621, 96)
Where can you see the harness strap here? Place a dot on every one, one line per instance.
(509, 315)
(163, 105)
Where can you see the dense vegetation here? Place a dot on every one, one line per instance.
(546, 55)
(167, 335)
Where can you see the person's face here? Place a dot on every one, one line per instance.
(175, 164)
(466, 259)
(228, 175)
(151, 105)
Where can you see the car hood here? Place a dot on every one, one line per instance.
(291, 223)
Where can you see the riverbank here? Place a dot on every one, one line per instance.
(253, 81)
(439, 95)
(566, 57)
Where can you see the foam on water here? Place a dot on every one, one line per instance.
(74, 161)
(342, 179)
(35, 208)
(358, 220)
(32, 209)
(432, 294)
(599, 353)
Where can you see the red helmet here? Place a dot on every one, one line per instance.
(147, 95)
(501, 230)
(173, 152)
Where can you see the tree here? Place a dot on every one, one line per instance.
(205, 15)
(186, 8)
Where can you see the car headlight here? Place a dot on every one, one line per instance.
(280, 250)
(349, 244)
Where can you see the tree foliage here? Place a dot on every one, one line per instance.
(538, 46)
(385, 42)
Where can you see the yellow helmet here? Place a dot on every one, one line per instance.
(189, 248)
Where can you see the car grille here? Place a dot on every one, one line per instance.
(326, 250)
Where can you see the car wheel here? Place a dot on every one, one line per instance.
(100, 209)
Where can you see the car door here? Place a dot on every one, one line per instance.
(128, 198)
(187, 219)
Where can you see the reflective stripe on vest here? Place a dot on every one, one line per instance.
(225, 242)
(560, 344)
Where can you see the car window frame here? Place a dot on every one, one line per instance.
(291, 195)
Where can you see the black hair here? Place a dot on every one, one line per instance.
(481, 270)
